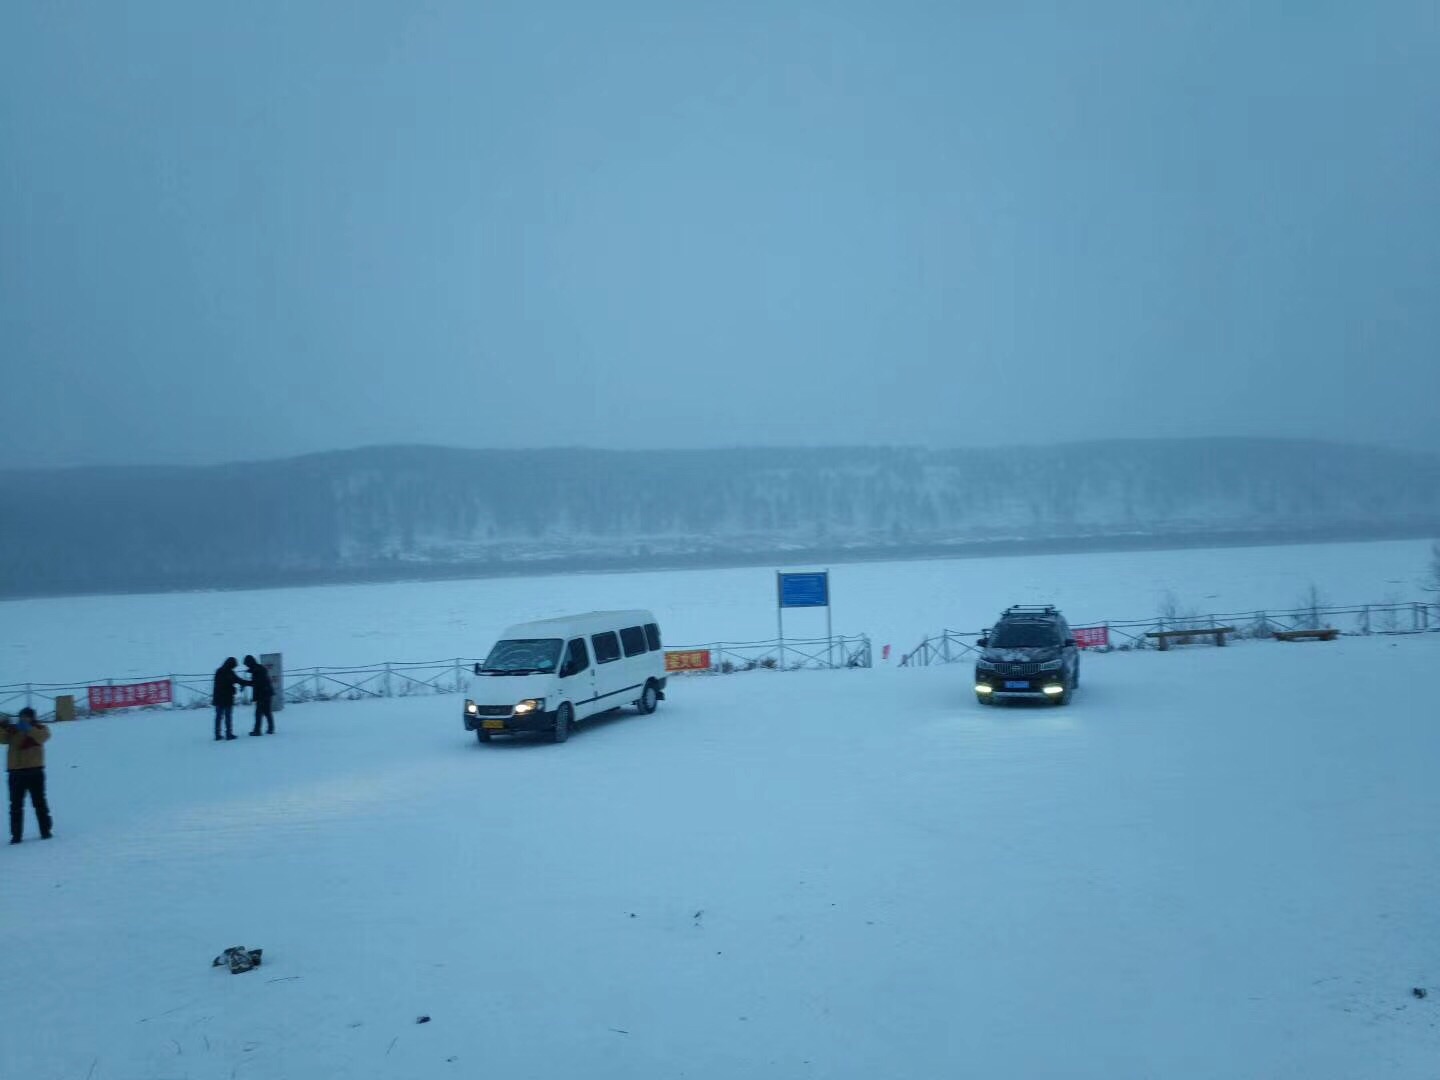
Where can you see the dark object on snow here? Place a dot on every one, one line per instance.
(1420, 992)
(422, 1019)
(238, 959)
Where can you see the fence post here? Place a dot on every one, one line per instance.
(1365, 620)
(387, 680)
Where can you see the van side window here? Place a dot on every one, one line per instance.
(607, 647)
(576, 658)
(652, 636)
(633, 638)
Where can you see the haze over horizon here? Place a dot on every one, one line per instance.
(250, 232)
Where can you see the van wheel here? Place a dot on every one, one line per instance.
(483, 736)
(649, 698)
(564, 718)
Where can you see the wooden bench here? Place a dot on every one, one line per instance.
(1328, 633)
(1163, 638)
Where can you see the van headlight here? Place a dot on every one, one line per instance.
(530, 705)
(470, 708)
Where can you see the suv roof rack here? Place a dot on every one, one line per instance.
(1029, 609)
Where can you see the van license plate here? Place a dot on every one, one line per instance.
(493, 725)
(1017, 684)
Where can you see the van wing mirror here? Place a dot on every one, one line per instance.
(477, 667)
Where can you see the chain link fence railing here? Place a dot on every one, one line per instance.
(406, 679)
(789, 654)
(399, 679)
(1412, 617)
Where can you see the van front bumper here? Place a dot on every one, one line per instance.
(512, 724)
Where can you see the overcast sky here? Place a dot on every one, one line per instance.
(235, 230)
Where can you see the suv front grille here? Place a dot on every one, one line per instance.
(493, 710)
(1004, 667)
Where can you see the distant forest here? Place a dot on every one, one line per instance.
(409, 511)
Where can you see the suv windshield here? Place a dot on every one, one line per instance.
(523, 654)
(1020, 635)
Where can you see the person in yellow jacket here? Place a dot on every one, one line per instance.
(25, 760)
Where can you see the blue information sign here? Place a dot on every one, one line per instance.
(805, 590)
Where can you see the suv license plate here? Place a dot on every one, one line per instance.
(492, 725)
(1017, 684)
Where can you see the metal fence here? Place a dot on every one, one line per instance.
(430, 677)
(301, 685)
(789, 654)
(403, 679)
(1415, 617)
(947, 647)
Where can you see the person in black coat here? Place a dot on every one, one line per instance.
(263, 691)
(223, 698)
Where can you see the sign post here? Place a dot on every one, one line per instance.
(271, 662)
(806, 590)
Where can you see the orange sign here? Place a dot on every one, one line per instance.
(688, 660)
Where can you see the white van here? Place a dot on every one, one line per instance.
(546, 676)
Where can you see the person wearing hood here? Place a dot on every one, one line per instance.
(223, 697)
(263, 692)
(25, 741)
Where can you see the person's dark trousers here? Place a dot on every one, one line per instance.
(31, 782)
(263, 711)
(226, 713)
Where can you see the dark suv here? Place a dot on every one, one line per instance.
(1028, 653)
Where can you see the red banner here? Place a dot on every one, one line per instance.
(688, 660)
(1091, 637)
(125, 697)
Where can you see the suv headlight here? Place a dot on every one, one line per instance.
(984, 665)
(470, 708)
(1052, 665)
(530, 705)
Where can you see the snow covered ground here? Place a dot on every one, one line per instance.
(1214, 863)
(75, 639)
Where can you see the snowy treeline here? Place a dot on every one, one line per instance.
(392, 509)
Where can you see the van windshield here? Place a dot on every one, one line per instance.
(522, 656)
(1019, 635)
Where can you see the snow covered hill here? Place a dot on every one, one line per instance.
(390, 512)
(1214, 863)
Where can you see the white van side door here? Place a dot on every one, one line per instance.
(577, 678)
